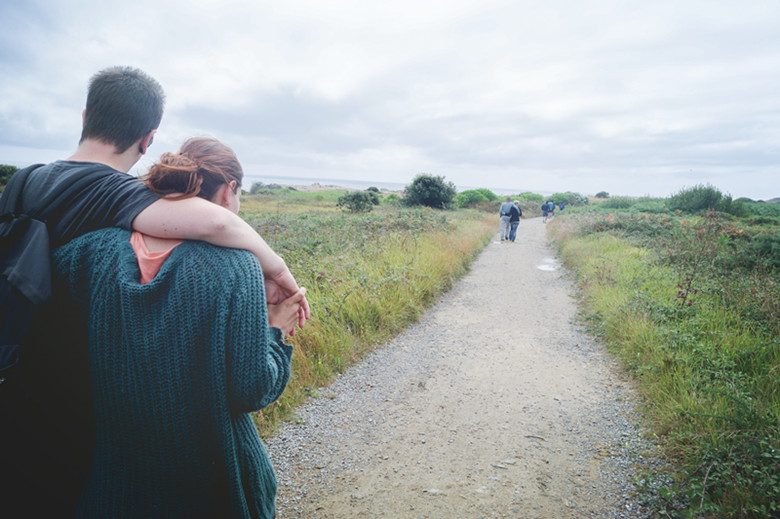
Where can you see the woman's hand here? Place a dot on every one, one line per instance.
(287, 313)
(283, 286)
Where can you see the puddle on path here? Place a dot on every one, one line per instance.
(549, 265)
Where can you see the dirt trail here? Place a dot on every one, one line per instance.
(494, 405)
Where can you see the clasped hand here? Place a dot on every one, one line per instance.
(282, 289)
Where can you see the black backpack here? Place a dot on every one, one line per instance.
(25, 255)
(25, 265)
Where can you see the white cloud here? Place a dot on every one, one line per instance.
(626, 96)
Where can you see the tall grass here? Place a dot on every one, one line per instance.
(368, 276)
(686, 306)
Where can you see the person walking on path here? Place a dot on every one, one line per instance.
(514, 220)
(503, 212)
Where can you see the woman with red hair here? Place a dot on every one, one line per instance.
(183, 347)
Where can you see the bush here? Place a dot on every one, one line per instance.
(6, 172)
(470, 198)
(695, 199)
(650, 205)
(602, 194)
(392, 199)
(763, 249)
(531, 197)
(569, 198)
(762, 208)
(358, 201)
(430, 191)
(702, 198)
(619, 202)
(490, 195)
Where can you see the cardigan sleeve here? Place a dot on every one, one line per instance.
(258, 360)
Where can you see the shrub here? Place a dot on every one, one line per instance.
(695, 199)
(392, 199)
(569, 198)
(602, 194)
(373, 189)
(762, 208)
(430, 191)
(531, 197)
(619, 202)
(6, 172)
(650, 205)
(762, 249)
(358, 201)
(470, 198)
(702, 198)
(490, 195)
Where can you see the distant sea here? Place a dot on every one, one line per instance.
(364, 184)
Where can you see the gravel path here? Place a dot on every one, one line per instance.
(494, 404)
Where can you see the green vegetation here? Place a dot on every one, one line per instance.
(359, 201)
(530, 197)
(392, 199)
(6, 172)
(368, 275)
(618, 202)
(430, 191)
(705, 198)
(473, 197)
(691, 304)
(569, 198)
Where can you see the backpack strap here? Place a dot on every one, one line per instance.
(11, 201)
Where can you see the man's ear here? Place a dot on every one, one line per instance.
(146, 141)
(83, 117)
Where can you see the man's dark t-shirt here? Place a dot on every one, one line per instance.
(45, 400)
(114, 199)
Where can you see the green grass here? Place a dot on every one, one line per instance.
(693, 309)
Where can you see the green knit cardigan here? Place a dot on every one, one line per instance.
(177, 365)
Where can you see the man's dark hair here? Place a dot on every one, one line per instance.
(123, 105)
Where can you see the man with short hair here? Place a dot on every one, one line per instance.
(124, 109)
(46, 400)
(503, 212)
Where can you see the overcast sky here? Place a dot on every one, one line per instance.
(632, 97)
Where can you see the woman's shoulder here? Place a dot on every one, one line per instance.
(98, 238)
(220, 260)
